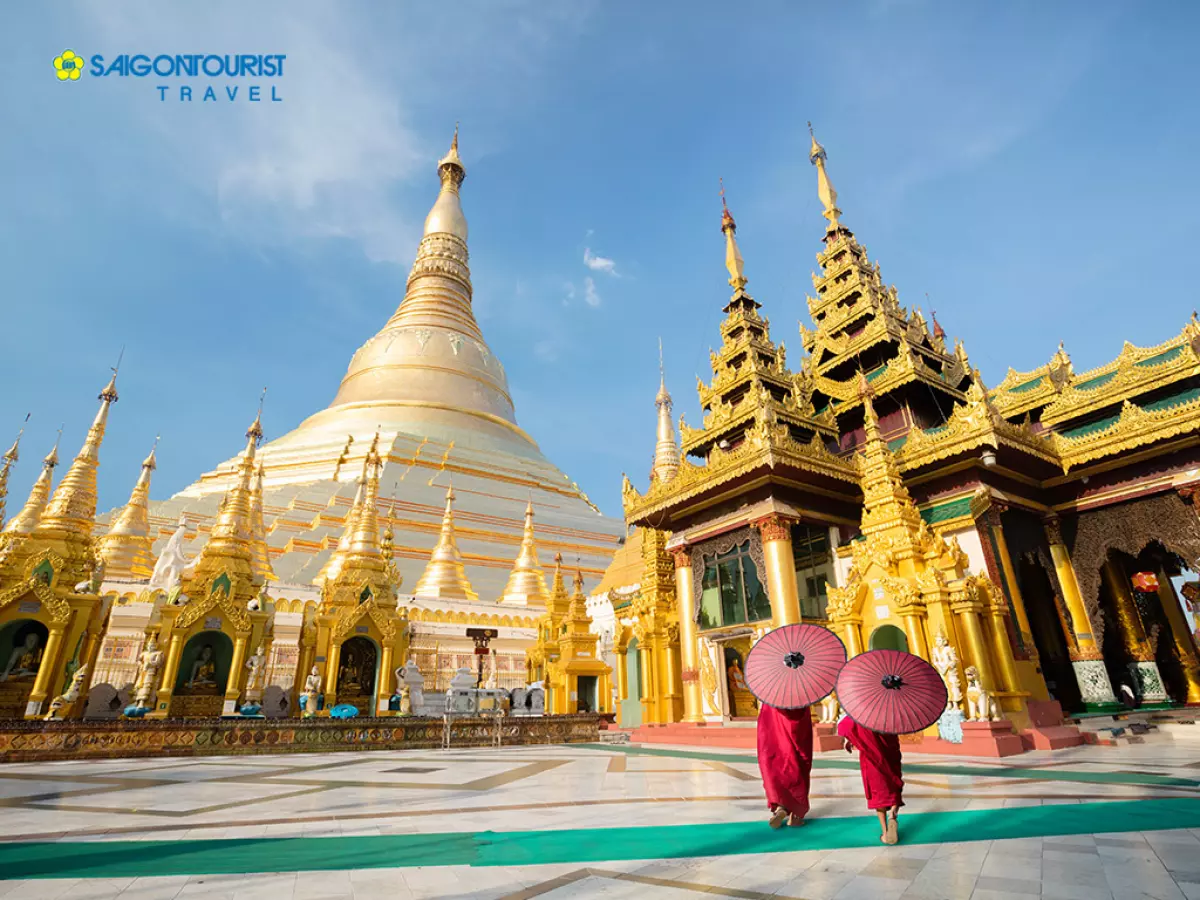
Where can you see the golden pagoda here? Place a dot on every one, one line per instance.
(526, 584)
(50, 578)
(359, 630)
(549, 627)
(215, 617)
(125, 548)
(445, 576)
(262, 555)
(578, 680)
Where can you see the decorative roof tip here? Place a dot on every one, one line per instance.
(816, 151)
(51, 459)
(151, 461)
(727, 223)
(825, 190)
(13, 454)
(255, 430)
(451, 159)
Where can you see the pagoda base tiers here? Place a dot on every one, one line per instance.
(305, 506)
(29, 741)
(991, 739)
(825, 737)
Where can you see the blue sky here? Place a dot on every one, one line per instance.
(1029, 166)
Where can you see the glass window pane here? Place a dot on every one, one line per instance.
(758, 604)
(733, 608)
(710, 598)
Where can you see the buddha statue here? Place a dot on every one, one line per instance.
(23, 662)
(203, 678)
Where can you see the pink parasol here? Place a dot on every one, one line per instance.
(794, 666)
(891, 692)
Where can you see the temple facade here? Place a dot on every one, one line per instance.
(1030, 539)
(287, 566)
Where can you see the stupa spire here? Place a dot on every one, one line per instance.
(27, 519)
(10, 458)
(526, 583)
(666, 447)
(560, 600)
(71, 513)
(365, 536)
(444, 577)
(333, 565)
(365, 564)
(231, 535)
(886, 501)
(733, 256)
(125, 549)
(258, 528)
(818, 157)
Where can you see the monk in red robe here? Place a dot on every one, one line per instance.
(879, 761)
(785, 759)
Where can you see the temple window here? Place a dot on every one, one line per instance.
(731, 591)
(810, 550)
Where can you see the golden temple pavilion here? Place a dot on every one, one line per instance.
(1034, 532)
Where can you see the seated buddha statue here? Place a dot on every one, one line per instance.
(203, 678)
(23, 662)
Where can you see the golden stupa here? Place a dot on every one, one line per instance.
(438, 397)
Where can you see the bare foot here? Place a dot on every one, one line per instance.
(892, 835)
(796, 821)
(779, 815)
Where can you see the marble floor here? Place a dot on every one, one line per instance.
(597, 821)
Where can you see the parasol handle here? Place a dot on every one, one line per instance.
(794, 660)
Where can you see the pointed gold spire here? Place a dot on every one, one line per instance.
(818, 157)
(886, 501)
(577, 612)
(447, 217)
(365, 537)
(365, 563)
(10, 458)
(333, 566)
(229, 545)
(445, 577)
(258, 528)
(733, 257)
(560, 600)
(125, 549)
(71, 513)
(27, 519)
(666, 447)
(526, 583)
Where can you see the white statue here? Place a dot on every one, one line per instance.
(256, 681)
(945, 660)
(492, 676)
(312, 692)
(405, 700)
(144, 690)
(981, 705)
(830, 708)
(171, 564)
(69, 696)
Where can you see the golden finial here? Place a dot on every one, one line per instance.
(255, 431)
(13, 453)
(151, 461)
(450, 166)
(818, 157)
(733, 257)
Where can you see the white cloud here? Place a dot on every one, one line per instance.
(327, 161)
(599, 263)
(590, 296)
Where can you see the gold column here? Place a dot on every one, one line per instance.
(331, 675)
(1133, 632)
(781, 570)
(384, 682)
(1009, 679)
(170, 673)
(49, 665)
(672, 698)
(915, 629)
(968, 614)
(646, 664)
(233, 685)
(689, 642)
(1185, 645)
(1010, 575)
(852, 628)
(622, 675)
(1081, 624)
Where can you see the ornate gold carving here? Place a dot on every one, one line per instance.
(775, 528)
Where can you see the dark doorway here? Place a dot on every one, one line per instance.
(1049, 635)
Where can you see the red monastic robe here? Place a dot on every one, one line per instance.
(785, 752)
(879, 760)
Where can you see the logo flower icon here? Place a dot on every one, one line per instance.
(69, 66)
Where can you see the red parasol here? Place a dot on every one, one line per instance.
(891, 692)
(794, 666)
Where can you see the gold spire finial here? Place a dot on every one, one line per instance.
(71, 513)
(733, 257)
(451, 169)
(444, 576)
(126, 548)
(666, 448)
(10, 457)
(27, 519)
(526, 584)
(818, 157)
